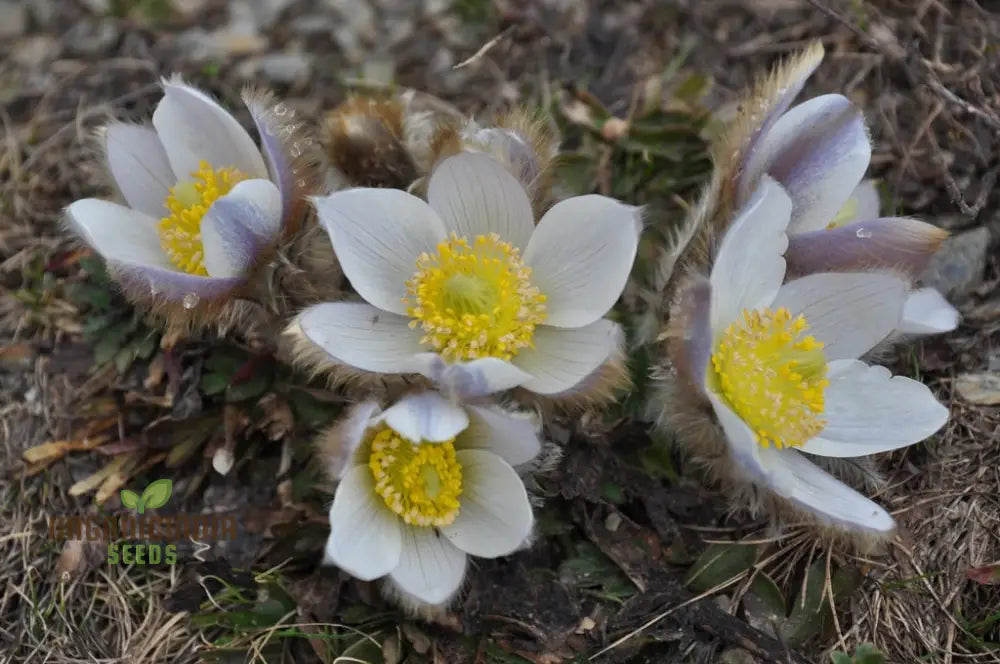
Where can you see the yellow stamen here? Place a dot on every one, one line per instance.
(772, 376)
(474, 299)
(845, 214)
(421, 482)
(180, 233)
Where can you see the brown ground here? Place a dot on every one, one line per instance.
(926, 71)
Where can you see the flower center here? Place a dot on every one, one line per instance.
(180, 233)
(772, 376)
(421, 482)
(474, 299)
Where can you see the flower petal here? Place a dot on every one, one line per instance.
(339, 448)
(850, 313)
(749, 267)
(868, 410)
(899, 244)
(468, 380)
(742, 443)
(825, 497)
(139, 165)
(865, 202)
(366, 539)
(117, 233)
(581, 255)
(362, 336)
(378, 234)
(278, 143)
(426, 417)
(476, 195)
(776, 94)
(193, 127)
(240, 226)
(818, 151)
(495, 516)
(431, 568)
(926, 311)
(511, 436)
(562, 358)
(692, 313)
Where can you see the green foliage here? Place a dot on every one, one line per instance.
(866, 653)
(592, 572)
(117, 330)
(720, 563)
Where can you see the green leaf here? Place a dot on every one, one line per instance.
(366, 650)
(157, 494)
(130, 499)
(764, 599)
(868, 654)
(213, 383)
(838, 657)
(720, 563)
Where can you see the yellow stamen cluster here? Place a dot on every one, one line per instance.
(474, 299)
(180, 233)
(845, 214)
(772, 376)
(421, 482)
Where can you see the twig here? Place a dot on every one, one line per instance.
(483, 50)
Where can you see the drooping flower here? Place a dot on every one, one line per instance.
(468, 277)
(778, 364)
(856, 239)
(819, 151)
(423, 485)
(205, 208)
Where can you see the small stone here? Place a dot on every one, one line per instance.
(285, 68)
(958, 266)
(312, 24)
(13, 19)
(982, 389)
(91, 37)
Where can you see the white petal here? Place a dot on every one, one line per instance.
(819, 493)
(749, 266)
(365, 537)
(495, 515)
(431, 568)
(581, 255)
(426, 417)
(562, 358)
(238, 227)
(511, 436)
(468, 380)
(927, 312)
(818, 151)
(118, 233)
(476, 195)
(849, 312)
(742, 443)
(139, 165)
(193, 127)
(341, 448)
(870, 411)
(865, 203)
(377, 235)
(362, 336)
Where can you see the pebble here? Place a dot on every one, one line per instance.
(282, 68)
(982, 389)
(13, 19)
(958, 266)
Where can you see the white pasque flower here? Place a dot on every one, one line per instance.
(468, 277)
(779, 365)
(428, 482)
(202, 207)
(819, 152)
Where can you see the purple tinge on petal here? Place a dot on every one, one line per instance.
(166, 284)
(896, 243)
(694, 312)
(275, 132)
(789, 80)
(239, 227)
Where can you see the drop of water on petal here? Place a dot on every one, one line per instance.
(863, 233)
(295, 150)
(280, 109)
(190, 300)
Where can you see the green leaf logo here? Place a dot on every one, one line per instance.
(155, 495)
